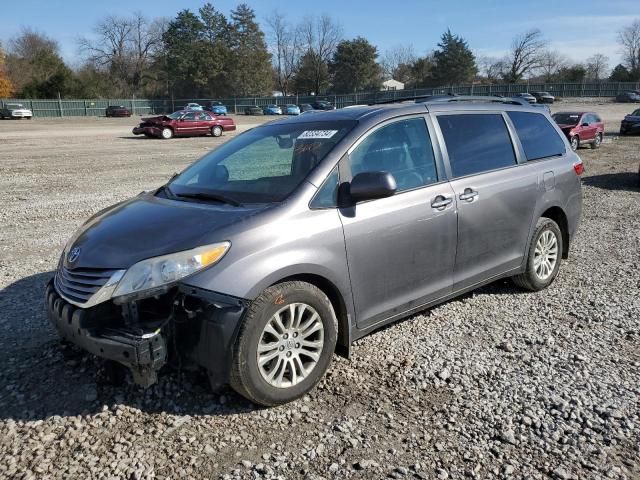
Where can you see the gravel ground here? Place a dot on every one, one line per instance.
(496, 384)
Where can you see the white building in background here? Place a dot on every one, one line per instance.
(392, 85)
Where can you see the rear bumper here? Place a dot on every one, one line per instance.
(144, 354)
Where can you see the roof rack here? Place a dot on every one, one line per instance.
(453, 98)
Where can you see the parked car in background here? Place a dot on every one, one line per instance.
(15, 111)
(322, 105)
(291, 109)
(305, 234)
(628, 97)
(184, 123)
(217, 108)
(194, 106)
(117, 111)
(631, 123)
(543, 97)
(524, 102)
(581, 128)
(526, 96)
(272, 110)
(305, 107)
(253, 110)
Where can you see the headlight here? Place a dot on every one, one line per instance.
(159, 271)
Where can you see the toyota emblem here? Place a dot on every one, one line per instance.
(73, 254)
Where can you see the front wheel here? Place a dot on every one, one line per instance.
(285, 344)
(575, 143)
(543, 257)
(216, 131)
(167, 133)
(597, 141)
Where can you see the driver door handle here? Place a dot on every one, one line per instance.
(441, 202)
(468, 195)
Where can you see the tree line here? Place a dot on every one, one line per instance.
(208, 54)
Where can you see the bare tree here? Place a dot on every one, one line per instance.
(597, 67)
(629, 39)
(31, 43)
(491, 68)
(320, 36)
(396, 59)
(286, 46)
(125, 47)
(551, 62)
(525, 54)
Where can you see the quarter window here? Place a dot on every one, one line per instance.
(402, 148)
(476, 143)
(538, 137)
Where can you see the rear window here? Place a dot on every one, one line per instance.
(476, 143)
(538, 137)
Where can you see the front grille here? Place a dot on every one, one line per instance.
(80, 284)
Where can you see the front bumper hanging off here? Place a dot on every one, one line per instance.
(202, 329)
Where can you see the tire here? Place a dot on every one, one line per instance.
(250, 379)
(574, 142)
(166, 133)
(533, 278)
(597, 141)
(216, 131)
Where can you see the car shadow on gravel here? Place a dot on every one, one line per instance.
(41, 377)
(629, 181)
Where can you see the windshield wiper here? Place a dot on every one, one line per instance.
(210, 196)
(167, 191)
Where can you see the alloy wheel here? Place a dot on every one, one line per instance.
(545, 255)
(290, 345)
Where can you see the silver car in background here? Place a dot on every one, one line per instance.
(296, 238)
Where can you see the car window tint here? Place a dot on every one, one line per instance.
(538, 137)
(476, 143)
(402, 148)
(190, 116)
(636, 113)
(327, 195)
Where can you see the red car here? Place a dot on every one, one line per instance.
(581, 128)
(184, 123)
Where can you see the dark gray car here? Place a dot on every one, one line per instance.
(294, 239)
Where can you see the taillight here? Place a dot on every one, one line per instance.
(579, 168)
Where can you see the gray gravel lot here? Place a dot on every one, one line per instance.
(496, 384)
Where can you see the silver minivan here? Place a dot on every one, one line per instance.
(297, 237)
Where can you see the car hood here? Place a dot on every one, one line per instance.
(566, 128)
(632, 118)
(148, 226)
(158, 119)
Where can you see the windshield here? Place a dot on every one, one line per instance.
(636, 113)
(14, 105)
(175, 115)
(566, 118)
(265, 164)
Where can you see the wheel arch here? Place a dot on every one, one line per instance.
(556, 214)
(337, 302)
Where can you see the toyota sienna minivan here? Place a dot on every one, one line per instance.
(296, 238)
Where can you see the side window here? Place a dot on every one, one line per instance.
(538, 137)
(402, 148)
(476, 143)
(189, 117)
(327, 194)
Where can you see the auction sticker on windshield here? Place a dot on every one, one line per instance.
(309, 134)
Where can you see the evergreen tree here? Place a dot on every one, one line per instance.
(454, 61)
(620, 74)
(354, 67)
(250, 72)
(312, 75)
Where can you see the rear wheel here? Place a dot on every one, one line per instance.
(285, 344)
(597, 141)
(216, 131)
(575, 143)
(167, 133)
(543, 258)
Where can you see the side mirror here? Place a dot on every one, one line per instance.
(585, 124)
(372, 185)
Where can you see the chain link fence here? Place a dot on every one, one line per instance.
(238, 105)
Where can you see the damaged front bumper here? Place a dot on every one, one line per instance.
(186, 324)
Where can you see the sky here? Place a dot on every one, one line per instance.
(576, 29)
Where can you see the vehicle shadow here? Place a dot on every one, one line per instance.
(41, 377)
(629, 181)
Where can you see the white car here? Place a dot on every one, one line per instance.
(15, 110)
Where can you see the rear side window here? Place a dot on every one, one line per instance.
(538, 137)
(476, 143)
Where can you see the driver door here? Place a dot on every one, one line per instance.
(400, 249)
(188, 124)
